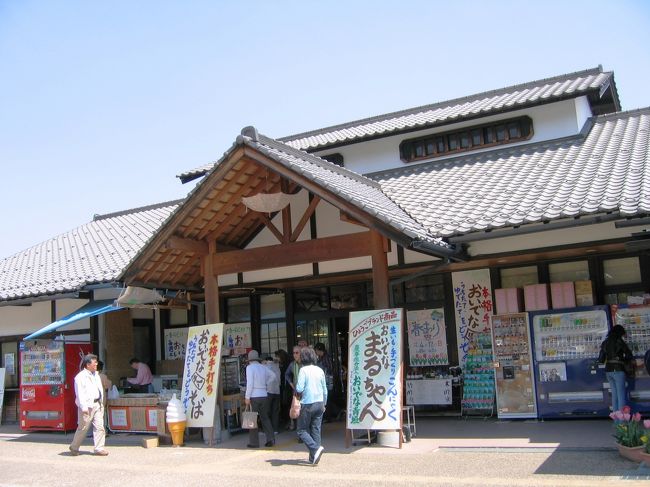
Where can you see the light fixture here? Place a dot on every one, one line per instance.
(267, 202)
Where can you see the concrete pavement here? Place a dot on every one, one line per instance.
(446, 451)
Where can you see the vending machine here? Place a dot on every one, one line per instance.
(513, 366)
(636, 321)
(568, 379)
(47, 371)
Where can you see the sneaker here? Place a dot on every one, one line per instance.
(269, 444)
(73, 452)
(317, 455)
(101, 453)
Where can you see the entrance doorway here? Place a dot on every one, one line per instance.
(144, 342)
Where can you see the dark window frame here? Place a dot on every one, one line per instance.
(412, 150)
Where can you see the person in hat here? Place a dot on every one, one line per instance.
(258, 379)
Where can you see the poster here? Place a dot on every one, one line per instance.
(175, 341)
(428, 391)
(552, 372)
(10, 363)
(473, 308)
(237, 338)
(427, 339)
(375, 374)
(201, 374)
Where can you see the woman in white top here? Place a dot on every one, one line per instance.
(258, 378)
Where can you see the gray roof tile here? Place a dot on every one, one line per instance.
(604, 171)
(93, 253)
(509, 98)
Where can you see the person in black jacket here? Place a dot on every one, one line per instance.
(616, 353)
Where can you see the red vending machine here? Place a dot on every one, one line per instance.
(47, 371)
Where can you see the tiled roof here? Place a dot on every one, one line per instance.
(93, 253)
(352, 187)
(591, 81)
(604, 171)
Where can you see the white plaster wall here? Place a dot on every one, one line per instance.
(278, 273)
(23, 320)
(345, 265)
(412, 257)
(227, 280)
(107, 293)
(550, 121)
(66, 306)
(329, 223)
(552, 238)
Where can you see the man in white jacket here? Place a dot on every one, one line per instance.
(90, 403)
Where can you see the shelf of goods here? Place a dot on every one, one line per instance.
(478, 379)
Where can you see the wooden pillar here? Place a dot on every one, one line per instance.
(210, 285)
(379, 250)
(211, 289)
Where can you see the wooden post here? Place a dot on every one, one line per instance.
(211, 288)
(378, 247)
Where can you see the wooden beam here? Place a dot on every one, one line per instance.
(379, 271)
(187, 244)
(294, 253)
(344, 217)
(305, 218)
(286, 212)
(274, 230)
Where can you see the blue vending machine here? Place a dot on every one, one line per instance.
(636, 321)
(566, 345)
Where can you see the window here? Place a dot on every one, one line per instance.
(336, 158)
(622, 271)
(569, 271)
(519, 276)
(238, 310)
(425, 288)
(273, 324)
(502, 132)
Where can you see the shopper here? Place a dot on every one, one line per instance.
(615, 353)
(89, 399)
(313, 396)
(257, 379)
(325, 363)
(282, 358)
(143, 378)
(273, 393)
(290, 378)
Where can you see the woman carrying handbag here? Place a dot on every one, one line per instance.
(312, 389)
(615, 353)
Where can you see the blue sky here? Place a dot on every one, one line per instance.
(103, 103)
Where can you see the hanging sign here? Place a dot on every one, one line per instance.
(237, 338)
(175, 342)
(374, 370)
(427, 338)
(201, 374)
(473, 307)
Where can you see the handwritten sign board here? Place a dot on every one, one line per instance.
(427, 337)
(428, 391)
(473, 307)
(201, 373)
(237, 338)
(175, 342)
(375, 370)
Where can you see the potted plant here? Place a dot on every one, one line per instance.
(645, 438)
(628, 430)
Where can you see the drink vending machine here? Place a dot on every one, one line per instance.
(47, 371)
(636, 321)
(567, 343)
(513, 363)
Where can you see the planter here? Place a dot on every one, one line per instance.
(632, 452)
(645, 457)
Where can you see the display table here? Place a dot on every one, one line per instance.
(133, 413)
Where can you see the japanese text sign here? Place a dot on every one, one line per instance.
(201, 373)
(473, 307)
(374, 370)
(237, 338)
(175, 342)
(427, 337)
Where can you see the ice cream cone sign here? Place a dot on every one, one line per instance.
(176, 420)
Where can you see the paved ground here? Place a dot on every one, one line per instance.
(445, 452)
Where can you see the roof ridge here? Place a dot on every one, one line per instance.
(621, 114)
(453, 101)
(154, 206)
(281, 146)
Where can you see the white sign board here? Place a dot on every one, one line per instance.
(375, 370)
(427, 337)
(201, 374)
(428, 391)
(175, 343)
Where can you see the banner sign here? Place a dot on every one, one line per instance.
(375, 370)
(473, 307)
(201, 374)
(175, 342)
(427, 337)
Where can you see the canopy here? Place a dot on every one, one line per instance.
(93, 308)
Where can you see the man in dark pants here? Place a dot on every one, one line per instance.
(258, 378)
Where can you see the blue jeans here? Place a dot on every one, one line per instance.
(309, 426)
(616, 381)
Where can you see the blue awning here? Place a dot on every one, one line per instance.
(93, 308)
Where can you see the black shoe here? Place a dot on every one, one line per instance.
(253, 446)
(269, 444)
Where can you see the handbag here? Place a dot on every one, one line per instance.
(294, 410)
(249, 419)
